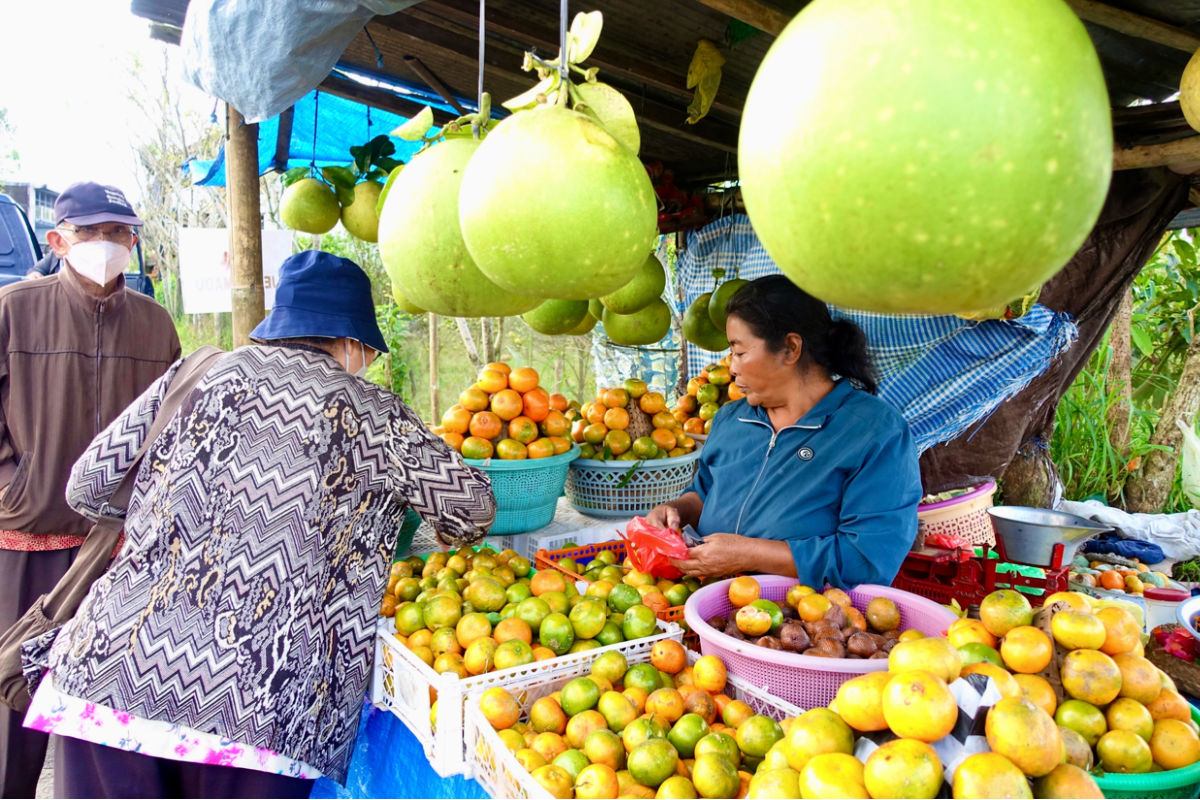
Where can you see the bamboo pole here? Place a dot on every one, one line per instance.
(434, 395)
(1157, 155)
(245, 229)
(753, 13)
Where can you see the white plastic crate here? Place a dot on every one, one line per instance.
(405, 685)
(499, 772)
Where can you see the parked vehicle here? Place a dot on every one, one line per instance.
(19, 249)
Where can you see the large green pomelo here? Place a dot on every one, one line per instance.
(421, 244)
(926, 156)
(360, 217)
(720, 299)
(310, 206)
(647, 285)
(585, 325)
(596, 308)
(556, 316)
(699, 329)
(646, 326)
(553, 206)
(404, 303)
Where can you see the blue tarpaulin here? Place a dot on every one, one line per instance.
(324, 128)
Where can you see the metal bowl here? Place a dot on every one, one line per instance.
(1185, 611)
(1029, 534)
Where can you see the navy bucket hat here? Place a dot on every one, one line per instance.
(325, 296)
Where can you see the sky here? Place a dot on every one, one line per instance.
(66, 88)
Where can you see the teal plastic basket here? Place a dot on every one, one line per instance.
(627, 488)
(408, 528)
(1184, 782)
(526, 491)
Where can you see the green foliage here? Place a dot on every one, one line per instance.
(1166, 294)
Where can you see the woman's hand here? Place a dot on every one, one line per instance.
(664, 515)
(721, 554)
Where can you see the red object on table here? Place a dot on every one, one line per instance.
(650, 548)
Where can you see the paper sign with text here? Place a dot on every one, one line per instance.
(205, 267)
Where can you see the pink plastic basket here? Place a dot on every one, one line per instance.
(807, 681)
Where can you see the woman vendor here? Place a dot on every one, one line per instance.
(810, 474)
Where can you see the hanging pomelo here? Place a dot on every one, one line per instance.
(421, 244)
(553, 206)
(556, 316)
(934, 156)
(360, 218)
(699, 329)
(720, 299)
(645, 326)
(310, 206)
(647, 285)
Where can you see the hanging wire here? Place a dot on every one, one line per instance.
(375, 47)
(316, 114)
(482, 36)
(562, 39)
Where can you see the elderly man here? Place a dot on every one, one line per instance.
(76, 348)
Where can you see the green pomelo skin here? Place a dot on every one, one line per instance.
(556, 316)
(404, 303)
(595, 308)
(926, 156)
(585, 325)
(360, 218)
(647, 285)
(699, 329)
(720, 299)
(553, 206)
(422, 247)
(310, 206)
(647, 326)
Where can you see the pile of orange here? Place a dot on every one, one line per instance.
(706, 393)
(1116, 578)
(630, 423)
(507, 413)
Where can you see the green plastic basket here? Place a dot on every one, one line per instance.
(526, 491)
(412, 521)
(1183, 782)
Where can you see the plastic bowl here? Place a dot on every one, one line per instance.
(1186, 611)
(526, 490)
(1029, 534)
(807, 681)
(1182, 782)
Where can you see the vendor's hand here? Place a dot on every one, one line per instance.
(664, 515)
(721, 554)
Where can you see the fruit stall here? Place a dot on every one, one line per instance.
(971, 182)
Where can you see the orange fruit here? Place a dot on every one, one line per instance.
(486, 425)
(652, 403)
(1124, 751)
(491, 381)
(735, 392)
(903, 768)
(1077, 630)
(667, 703)
(669, 656)
(1006, 683)
(693, 425)
(1091, 676)
(860, 701)
(1139, 678)
(855, 618)
(1111, 579)
(561, 444)
(499, 366)
(708, 673)
(1003, 610)
(1169, 705)
(701, 704)
(1025, 734)
(535, 404)
(616, 419)
(473, 399)
(523, 429)
(594, 434)
(512, 628)
(1127, 714)
(456, 419)
(617, 441)
(554, 423)
(882, 614)
(507, 404)
(918, 705)
(1123, 632)
(1173, 744)
(1026, 649)
(547, 580)
(966, 630)
(663, 438)
(989, 775)
(594, 413)
(453, 440)
(499, 708)
(511, 450)
(559, 402)
(523, 379)
(1066, 780)
(1038, 691)
(743, 591)
(838, 597)
(615, 398)
(736, 712)
(1076, 600)
(812, 607)
(476, 448)
(832, 775)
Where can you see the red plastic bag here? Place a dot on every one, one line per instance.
(650, 547)
(948, 541)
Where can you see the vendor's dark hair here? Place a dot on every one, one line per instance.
(773, 307)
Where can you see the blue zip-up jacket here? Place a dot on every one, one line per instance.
(840, 485)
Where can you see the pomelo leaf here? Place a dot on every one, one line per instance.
(530, 98)
(583, 35)
(340, 177)
(416, 128)
(294, 174)
(395, 173)
(611, 110)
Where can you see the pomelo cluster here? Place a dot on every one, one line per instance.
(706, 393)
(470, 612)
(311, 206)
(630, 423)
(507, 414)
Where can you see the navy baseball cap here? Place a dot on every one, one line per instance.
(325, 296)
(92, 203)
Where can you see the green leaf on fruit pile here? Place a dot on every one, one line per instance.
(629, 475)
(416, 128)
(395, 173)
(610, 108)
(704, 75)
(545, 91)
(294, 174)
(583, 36)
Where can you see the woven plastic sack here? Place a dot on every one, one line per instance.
(1189, 470)
(650, 548)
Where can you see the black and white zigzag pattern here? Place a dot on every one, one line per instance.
(257, 542)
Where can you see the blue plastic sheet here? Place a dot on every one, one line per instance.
(388, 761)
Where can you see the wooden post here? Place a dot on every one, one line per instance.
(434, 398)
(245, 229)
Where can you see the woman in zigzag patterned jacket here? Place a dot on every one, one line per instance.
(227, 649)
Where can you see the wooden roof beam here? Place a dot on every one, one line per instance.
(752, 12)
(1135, 25)
(1181, 151)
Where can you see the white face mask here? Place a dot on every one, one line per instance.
(98, 261)
(362, 370)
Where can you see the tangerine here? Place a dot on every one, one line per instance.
(1077, 630)
(669, 656)
(617, 441)
(652, 403)
(486, 425)
(832, 775)
(476, 448)
(523, 379)
(1091, 676)
(453, 440)
(1126, 714)
(1123, 631)
(904, 768)
(1026, 649)
(616, 419)
(860, 701)
(743, 591)
(523, 429)
(1003, 610)
(1173, 744)
(812, 607)
(1025, 734)
(1111, 579)
(1006, 683)
(1169, 705)
(512, 628)
(499, 708)
(511, 450)
(1139, 678)
(1038, 691)
(542, 448)
(1067, 780)
(918, 705)
(555, 423)
(1124, 751)
(498, 366)
(535, 404)
(708, 673)
(559, 402)
(507, 404)
(491, 381)
(966, 630)
(882, 614)
(456, 419)
(989, 775)
(473, 399)
(615, 398)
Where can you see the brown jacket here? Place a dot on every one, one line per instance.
(69, 364)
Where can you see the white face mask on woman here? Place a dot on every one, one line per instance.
(99, 261)
(362, 370)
